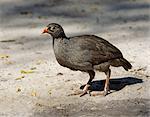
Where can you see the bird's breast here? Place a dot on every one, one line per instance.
(61, 51)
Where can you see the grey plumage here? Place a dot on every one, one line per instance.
(86, 53)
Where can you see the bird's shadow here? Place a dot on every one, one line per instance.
(115, 84)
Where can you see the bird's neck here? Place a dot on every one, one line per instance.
(59, 35)
(64, 37)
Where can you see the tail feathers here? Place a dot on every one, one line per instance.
(125, 64)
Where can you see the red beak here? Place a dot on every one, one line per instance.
(45, 31)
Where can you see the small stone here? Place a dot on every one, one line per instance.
(59, 74)
(18, 89)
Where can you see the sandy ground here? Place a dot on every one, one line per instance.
(33, 84)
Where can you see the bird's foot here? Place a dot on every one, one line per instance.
(106, 91)
(97, 93)
(85, 90)
(77, 92)
(82, 92)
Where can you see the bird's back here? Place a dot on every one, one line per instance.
(98, 49)
(83, 51)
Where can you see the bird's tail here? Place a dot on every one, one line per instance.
(125, 64)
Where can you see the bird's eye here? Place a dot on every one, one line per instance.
(53, 28)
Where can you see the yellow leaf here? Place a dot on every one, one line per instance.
(26, 71)
(4, 56)
(19, 78)
(33, 93)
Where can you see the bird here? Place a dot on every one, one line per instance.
(86, 53)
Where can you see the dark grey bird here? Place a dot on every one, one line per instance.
(86, 53)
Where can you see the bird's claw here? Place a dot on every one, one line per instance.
(105, 93)
(90, 92)
(83, 92)
(96, 93)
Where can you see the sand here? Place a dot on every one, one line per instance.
(33, 84)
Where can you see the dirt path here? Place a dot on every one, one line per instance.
(33, 84)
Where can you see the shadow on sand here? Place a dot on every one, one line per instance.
(116, 107)
(115, 84)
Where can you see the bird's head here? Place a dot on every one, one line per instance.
(55, 30)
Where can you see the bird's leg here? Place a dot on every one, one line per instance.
(106, 87)
(86, 87)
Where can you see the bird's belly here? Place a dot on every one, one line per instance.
(102, 67)
(73, 65)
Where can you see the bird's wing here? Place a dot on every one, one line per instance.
(98, 49)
